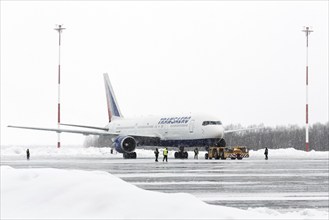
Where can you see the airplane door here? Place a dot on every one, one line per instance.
(165, 129)
(191, 126)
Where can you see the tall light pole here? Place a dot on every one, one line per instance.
(59, 29)
(307, 31)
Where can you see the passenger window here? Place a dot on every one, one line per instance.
(211, 123)
(205, 123)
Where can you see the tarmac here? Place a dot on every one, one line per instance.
(282, 184)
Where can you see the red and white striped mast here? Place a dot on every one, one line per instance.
(307, 31)
(59, 29)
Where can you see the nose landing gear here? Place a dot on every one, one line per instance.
(221, 143)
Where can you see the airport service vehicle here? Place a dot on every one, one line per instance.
(125, 134)
(223, 153)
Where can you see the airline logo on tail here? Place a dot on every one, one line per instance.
(112, 104)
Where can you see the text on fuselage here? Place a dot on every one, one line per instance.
(174, 120)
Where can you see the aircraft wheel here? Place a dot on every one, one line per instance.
(178, 155)
(206, 156)
(132, 155)
(185, 155)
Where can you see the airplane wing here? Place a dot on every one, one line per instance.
(65, 130)
(85, 126)
(84, 132)
(106, 129)
(242, 129)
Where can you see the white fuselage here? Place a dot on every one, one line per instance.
(173, 128)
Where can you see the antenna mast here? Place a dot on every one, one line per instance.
(59, 29)
(307, 31)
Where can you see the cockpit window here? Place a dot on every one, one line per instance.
(211, 123)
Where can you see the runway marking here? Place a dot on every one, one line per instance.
(194, 183)
(298, 196)
(123, 175)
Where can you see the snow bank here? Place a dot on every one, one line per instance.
(290, 153)
(52, 151)
(65, 194)
(74, 151)
(78, 151)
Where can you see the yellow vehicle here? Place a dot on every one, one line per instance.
(236, 152)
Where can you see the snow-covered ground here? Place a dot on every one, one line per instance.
(47, 193)
(72, 151)
(61, 194)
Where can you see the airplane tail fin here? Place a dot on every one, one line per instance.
(112, 104)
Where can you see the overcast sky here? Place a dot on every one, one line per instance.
(242, 61)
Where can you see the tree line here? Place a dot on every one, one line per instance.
(291, 136)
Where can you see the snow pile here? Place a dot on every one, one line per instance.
(290, 153)
(105, 152)
(66, 194)
(52, 151)
(75, 151)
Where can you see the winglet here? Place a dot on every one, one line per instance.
(112, 104)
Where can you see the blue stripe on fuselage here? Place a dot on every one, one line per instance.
(177, 143)
(190, 143)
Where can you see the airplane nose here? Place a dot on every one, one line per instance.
(220, 132)
(213, 131)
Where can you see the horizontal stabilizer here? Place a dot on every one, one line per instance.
(242, 129)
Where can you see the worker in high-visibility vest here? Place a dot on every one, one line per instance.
(165, 155)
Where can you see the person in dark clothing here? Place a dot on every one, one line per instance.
(27, 154)
(156, 153)
(196, 153)
(266, 153)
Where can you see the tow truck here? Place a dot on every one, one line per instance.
(236, 152)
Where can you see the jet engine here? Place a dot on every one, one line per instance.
(124, 144)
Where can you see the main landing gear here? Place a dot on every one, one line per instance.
(131, 155)
(181, 154)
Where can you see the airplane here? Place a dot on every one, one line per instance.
(185, 130)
